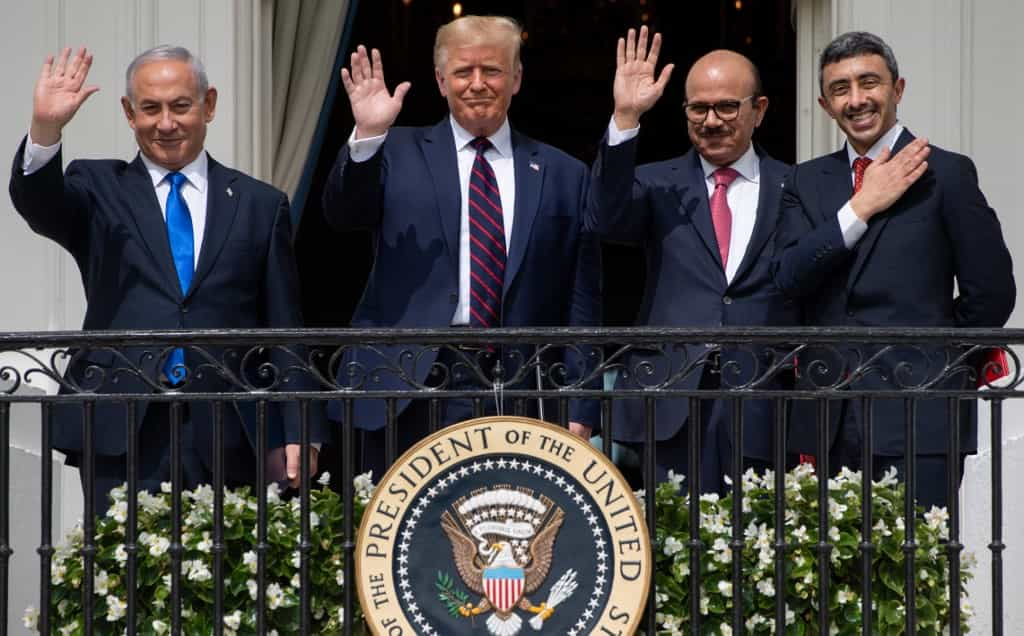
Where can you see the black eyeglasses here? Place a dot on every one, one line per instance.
(726, 110)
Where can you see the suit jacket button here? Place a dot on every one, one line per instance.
(727, 300)
(184, 309)
(453, 298)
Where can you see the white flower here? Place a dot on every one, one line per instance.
(165, 486)
(100, 582)
(883, 528)
(800, 534)
(159, 545)
(233, 620)
(341, 615)
(197, 570)
(340, 577)
(325, 479)
(660, 598)
(69, 629)
(206, 544)
(754, 621)
(57, 572)
(116, 608)
(120, 555)
(253, 588)
(676, 480)
(152, 504)
(672, 546)
(295, 582)
(766, 587)
(725, 629)
(723, 553)
(844, 596)
(159, 626)
(249, 559)
(273, 493)
(118, 511)
(30, 618)
(314, 519)
(62, 607)
(704, 603)
(275, 596)
(363, 485)
(296, 559)
(725, 588)
(937, 519)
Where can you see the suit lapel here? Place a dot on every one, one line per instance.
(221, 209)
(766, 219)
(529, 170)
(694, 198)
(877, 223)
(439, 150)
(144, 209)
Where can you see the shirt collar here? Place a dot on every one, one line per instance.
(196, 172)
(501, 139)
(888, 140)
(748, 165)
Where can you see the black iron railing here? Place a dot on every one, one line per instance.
(268, 367)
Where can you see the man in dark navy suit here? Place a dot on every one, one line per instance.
(474, 225)
(706, 221)
(170, 240)
(883, 229)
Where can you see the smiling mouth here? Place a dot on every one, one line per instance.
(862, 117)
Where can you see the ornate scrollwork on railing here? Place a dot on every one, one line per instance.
(228, 365)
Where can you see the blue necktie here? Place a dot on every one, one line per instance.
(487, 252)
(179, 233)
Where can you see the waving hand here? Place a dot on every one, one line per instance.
(635, 88)
(60, 91)
(373, 107)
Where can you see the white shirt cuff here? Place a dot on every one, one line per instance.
(616, 136)
(37, 156)
(850, 225)
(360, 150)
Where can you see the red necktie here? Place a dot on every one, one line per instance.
(860, 164)
(486, 241)
(721, 215)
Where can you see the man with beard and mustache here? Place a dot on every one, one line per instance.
(474, 224)
(705, 220)
(883, 229)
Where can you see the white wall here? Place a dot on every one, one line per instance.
(40, 284)
(962, 60)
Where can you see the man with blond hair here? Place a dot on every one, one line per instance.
(475, 225)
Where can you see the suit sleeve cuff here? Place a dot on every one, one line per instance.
(37, 156)
(850, 225)
(360, 150)
(616, 136)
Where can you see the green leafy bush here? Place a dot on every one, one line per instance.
(801, 587)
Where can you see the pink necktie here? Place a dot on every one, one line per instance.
(721, 215)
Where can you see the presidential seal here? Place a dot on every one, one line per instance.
(501, 526)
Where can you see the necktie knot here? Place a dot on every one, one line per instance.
(724, 176)
(176, 179)
(480, 144)
(860, 165)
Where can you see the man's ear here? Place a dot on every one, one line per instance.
(210, 104)
(439, 77)
(129, 112)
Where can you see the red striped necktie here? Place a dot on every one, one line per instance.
(487, 252)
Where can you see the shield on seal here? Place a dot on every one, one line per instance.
(504, 586)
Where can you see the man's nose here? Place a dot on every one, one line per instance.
(166, 121)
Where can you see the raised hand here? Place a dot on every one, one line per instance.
(373, 107)
(60, 91)
(635, 88)
(888, 177)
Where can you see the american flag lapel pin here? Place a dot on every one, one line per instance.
(230, 193)
(535, 166)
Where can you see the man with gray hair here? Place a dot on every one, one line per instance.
(474, 223)
(881, 231)
(170, 240)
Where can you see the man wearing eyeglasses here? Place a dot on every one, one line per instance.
(882, 228)
(705, 220)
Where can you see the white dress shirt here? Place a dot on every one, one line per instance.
(742, 195)
(502, 162)
(193, 190)
(850, 224)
